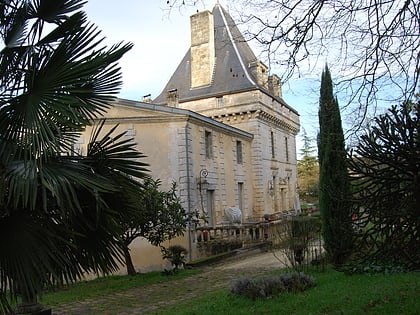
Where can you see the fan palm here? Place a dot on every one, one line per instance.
(55, 77)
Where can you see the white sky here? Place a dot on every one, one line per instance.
(161, 41)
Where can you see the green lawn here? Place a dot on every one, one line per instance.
(108, 285)
(336, 293)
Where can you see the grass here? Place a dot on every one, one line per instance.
(336, 293)
(108, 285)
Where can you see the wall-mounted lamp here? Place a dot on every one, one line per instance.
(202, 182)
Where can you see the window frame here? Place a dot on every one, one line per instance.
(273, 152)
(239, 152)
(208, 144)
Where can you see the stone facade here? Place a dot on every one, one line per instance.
(220, 129)
(174, 142)
(273, 148)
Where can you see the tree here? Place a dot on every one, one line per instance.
(55, 223)
(334, 187)
(308, 149)
(308, 170)
(385, 172)
(373, 45)
(160, 217)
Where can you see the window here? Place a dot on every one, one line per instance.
(286, 147)
(239, 152)
(210, 207)
(241, 195)
(208, 144)
(219, 101)
(272, 145)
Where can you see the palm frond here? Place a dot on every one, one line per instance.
(33, 250)
(54, 11)
(116, 153)
(65, 87)
(58, 218)
(15, 30)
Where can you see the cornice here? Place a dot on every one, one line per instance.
(233, 117)
(279, 122)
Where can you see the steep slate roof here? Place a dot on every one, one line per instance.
(231, 73)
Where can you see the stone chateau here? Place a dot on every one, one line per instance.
(221, 130)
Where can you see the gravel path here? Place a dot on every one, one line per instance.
(150, 298)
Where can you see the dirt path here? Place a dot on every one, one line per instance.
(147, 299)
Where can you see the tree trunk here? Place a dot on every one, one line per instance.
(31, 308)
(129, 262)
(30, 305)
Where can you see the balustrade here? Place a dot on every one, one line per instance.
(248, 233)
(276, 232)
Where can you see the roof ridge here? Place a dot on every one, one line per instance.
(235, 47)
(213, 74)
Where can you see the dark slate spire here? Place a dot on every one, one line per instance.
(228, 64)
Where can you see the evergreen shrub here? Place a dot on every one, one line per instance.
(176, 254)
(272, 285)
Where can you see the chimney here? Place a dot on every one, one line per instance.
(173, 98)
(202, 49)
(274, 85)
(147, 98)
(259, 70)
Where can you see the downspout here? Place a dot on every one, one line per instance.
(187, 162)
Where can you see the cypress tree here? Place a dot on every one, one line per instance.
(334, 185)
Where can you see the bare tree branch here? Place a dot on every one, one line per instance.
(372, 45)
